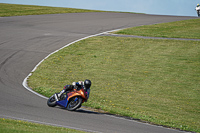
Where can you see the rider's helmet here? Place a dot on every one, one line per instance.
(197, 4)
(87, 83)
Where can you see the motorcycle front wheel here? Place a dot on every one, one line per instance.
(74, 103)
(51, 102)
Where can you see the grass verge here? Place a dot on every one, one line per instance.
(151, 80)
(18, 126)
(20, 10)
(179, 29)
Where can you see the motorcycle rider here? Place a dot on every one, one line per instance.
(75, 85)
(198, 9)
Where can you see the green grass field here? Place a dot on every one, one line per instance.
(178, 29)
(151, 80)
(20, 10)
(18, 126)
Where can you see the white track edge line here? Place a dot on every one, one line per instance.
(24, 83)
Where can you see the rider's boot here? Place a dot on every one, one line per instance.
(57, 95)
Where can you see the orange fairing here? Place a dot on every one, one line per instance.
(76, 92)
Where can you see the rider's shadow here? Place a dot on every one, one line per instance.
(81, 110)
(86, 111)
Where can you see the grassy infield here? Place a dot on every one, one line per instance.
(18, 126)
(152, 80)
(19, 10)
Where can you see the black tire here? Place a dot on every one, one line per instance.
(51, 102)
(73, 105)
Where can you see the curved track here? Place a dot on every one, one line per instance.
(26, 40)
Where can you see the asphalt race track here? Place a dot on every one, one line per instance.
(26, 40)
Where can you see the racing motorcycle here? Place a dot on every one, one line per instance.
(70, 100)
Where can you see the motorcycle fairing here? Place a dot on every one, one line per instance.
(76, 93)
(63, 103)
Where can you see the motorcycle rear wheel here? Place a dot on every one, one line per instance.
(73, 105)
(51, 102)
